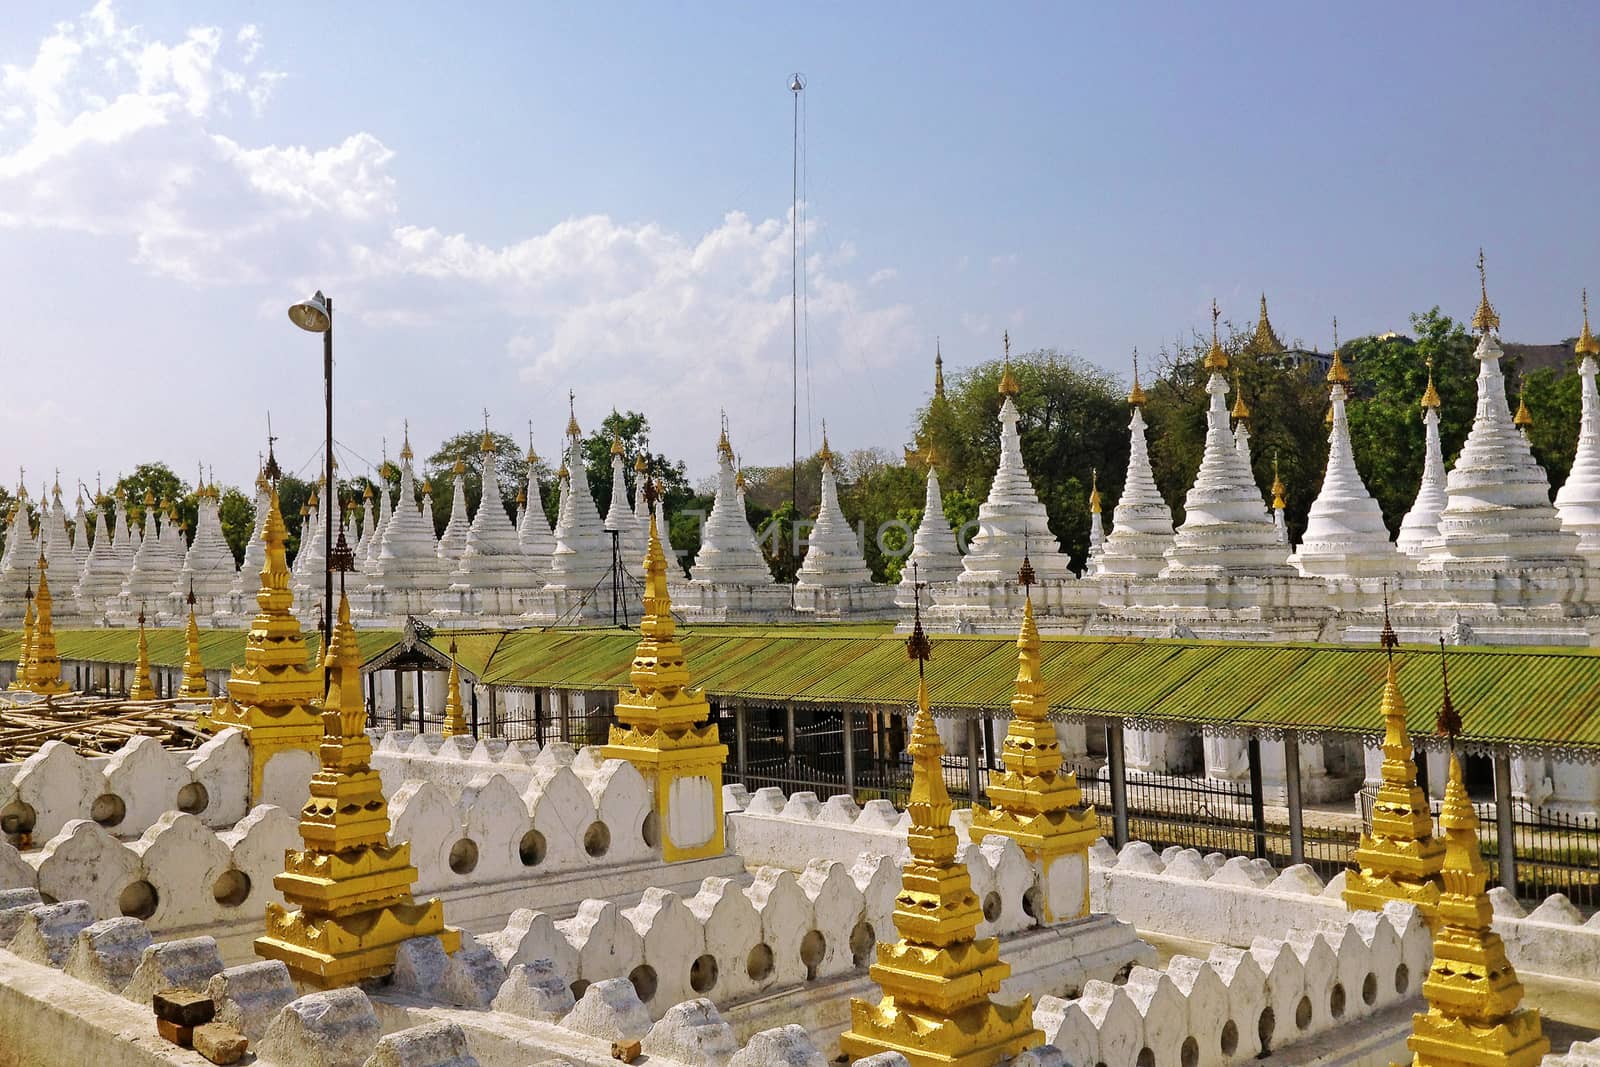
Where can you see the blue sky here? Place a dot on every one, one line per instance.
(510, 200)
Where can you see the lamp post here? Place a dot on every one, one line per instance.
(315, 315)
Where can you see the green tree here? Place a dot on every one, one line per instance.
(1555, 401)
(162, 484)
(467, 449)
(293, 494)
(1388, 377)
(633, 431)
(238, 514)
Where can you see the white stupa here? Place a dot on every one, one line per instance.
(582, 556)
(1226, 529)
(1420, 526)
(208, 568)
(308, 576)
(364, 535)
(620, 517)
(454, 539)
(493, 570)
(154, 574)
(1498, 515)
(1012, 521)
(1097, 526)
(533, 527)
(934, 556)
(1345, 535)
(729, 554)
(80, 540)
(58, 552)
(384, 517)
(1280, 521)
(833, 578)
(19, 559)
(408, 574)
(248, 578)
(103, 571)
(172, 535)
(1578, 502)
(1141, 523)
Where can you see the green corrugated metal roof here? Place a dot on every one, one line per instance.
(1536, 697)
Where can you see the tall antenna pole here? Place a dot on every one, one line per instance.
(797, 84)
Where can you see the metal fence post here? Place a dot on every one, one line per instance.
(1258, 798)
(847, 720)
(474, 699)
(1291, 782)
(1117, 773)
(740, 739)
(1505, 819)
(399, 700)
(973, 779)
(1419, 756)
(788, 735)
(422, 722)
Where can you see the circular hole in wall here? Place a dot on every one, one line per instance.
(597, 839)
(1033, 903)
(1402, 978)
(1147, 1058)
(1336, 1001)
(1230, 1038)
(1189, 1054)
(812, 948)
(1264, 1027)
(862, 941)
(231, 888)
(531, 848)
(651, 830)
(1302, 1014)
(193, 798)
(108, 809)
(138, 900)
(703, 974)
(18, 818)
(758, 965)
(464, 856)
(577, 989)
(643, 978)
(991, 906)
(1369, 989)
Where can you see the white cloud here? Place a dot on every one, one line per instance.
(110, 132)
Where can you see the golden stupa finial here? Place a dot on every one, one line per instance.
(1264, 342)
(486, 445)
(1008, 381)
(455, 722)
(1474, 998)
(1136, 397)
(194, 685)
(664, 723)
(406, 455)
(44, 665)
(938, 371)
(458, 468)
(1587, 345)
(1523, 418)
(938, 978)
(1485, 320)
(427, 487)
(1278, 488)
(1094, 490)
(142, 688)
(1430, 395)
(724, 446)
(572, 415)
(1216, 359)
(1241, 410)
(616, 445)
(825, 454)
(1338, 373)
(640, 464)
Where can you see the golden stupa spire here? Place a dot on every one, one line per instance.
(44, 665)
(1430, 395)
(1094, 492)
(25, 650)
(640, 464)
(662, 722)
(1008, 381)
(1278, 488)
(142, 687)
(1474, 999)
(724, 446)
(270, 695)
(1400, 858)
(1216, 359)
(938, 979)
(406, 454)
(1241, 410)
(825, 454)
(486, 445)
(1586, 346)
(1485, 320)
(1523, 418)
(1338, 373)
(616, 445)
(938, 371)
(455, 723)
(1136, 397)
(1264, 342)
(348, 889)
(1035, 801)
(194, 672)
(572, 415)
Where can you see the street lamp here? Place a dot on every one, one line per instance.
(315, 315)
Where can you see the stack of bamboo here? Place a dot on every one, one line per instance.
(94, 725)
